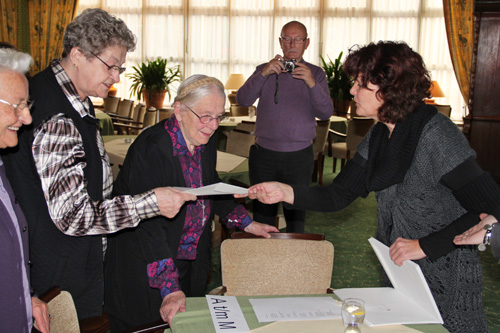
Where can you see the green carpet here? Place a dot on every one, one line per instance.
(355, 263)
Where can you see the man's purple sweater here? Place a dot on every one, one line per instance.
(290, 124)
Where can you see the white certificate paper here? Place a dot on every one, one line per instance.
(215, 189)
(295, 308)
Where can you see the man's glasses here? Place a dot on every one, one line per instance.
(297, 40)
(112, 69)
(18, 108)
(207, 119)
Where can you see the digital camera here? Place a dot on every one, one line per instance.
(289, 65)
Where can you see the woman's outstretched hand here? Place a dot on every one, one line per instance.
(270, 193)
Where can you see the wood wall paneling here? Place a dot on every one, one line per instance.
(482, 126)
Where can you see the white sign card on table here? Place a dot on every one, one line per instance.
(226, 314)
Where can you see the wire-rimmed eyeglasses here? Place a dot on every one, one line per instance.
(297, 40)
(19, 107)
(112, 69)
(207, 119)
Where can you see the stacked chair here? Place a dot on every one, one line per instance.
(357, 128)
(111, 104)
(322, 128)
(134, 124)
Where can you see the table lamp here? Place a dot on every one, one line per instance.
(234, 83)
(436, 92)
(112, 91)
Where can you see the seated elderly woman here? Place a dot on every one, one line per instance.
(428, 185)
(151, 269)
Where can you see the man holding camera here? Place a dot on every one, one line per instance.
(292, 93)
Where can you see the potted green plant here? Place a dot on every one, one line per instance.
(151, 80)
(339, 85)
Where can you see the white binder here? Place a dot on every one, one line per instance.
(409, 302)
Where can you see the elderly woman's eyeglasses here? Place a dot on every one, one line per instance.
(112, 69)
(18, 108)
(297, 40)
(207, 119)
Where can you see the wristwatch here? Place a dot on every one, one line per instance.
(487, 237)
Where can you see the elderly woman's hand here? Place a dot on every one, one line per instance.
(405, 249)
(41, 314)
(172, 303)
(271, 192)
(260, 229)
(170, 200)
(475, 235)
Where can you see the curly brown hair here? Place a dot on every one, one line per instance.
(397, 70)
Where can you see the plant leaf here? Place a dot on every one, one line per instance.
(153, 75)
(339, 83)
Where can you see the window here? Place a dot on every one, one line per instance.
(220, 37)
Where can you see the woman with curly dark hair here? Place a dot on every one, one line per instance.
(427, 183)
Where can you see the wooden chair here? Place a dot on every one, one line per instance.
(151, 117)
(247, 126)
(124, 114)
(444, 109)
(64, 318)
(134, 126)
(164, 113)
(357, 128)
(322, 127)
(353, 110)
(239, 142)
(280, 235)
(125, 108)
(62, 310)
(286, 264)
(111, 104)
(238, 110)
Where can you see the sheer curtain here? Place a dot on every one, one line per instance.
(220, 37)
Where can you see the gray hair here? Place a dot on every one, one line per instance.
(94, 30)
(10, 59)
(198, 86)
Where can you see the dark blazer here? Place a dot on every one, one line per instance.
(150, 163)
(13, 316)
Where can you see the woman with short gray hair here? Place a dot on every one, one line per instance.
(94, 30)
(61, 173)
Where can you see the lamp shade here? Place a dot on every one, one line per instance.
(235, 81)
(436, 90)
